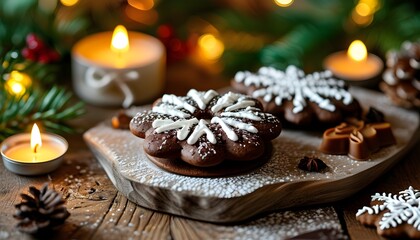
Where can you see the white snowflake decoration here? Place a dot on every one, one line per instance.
(404, 207)
(236, 107)
(293, 84)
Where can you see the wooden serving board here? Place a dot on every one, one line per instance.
(278, 184)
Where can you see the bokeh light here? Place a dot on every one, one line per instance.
(361, 20)
(210, 47)
(149, 17)
(17, 83)
(144, 5)
(364, 12)
(69, 3)
(363, 9)
(283, 3)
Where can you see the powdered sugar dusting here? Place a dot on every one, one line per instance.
(288, 148)
(287, 224)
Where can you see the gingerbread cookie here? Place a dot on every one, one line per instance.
(358, 138)
(394, 216)
(402, 76)
(298, 98)
(203, 129)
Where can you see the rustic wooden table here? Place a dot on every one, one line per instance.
(99, 211)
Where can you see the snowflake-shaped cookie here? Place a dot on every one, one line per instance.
(395, 216)
(299, 98)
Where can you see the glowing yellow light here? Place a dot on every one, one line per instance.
(69, 3)
(211, 47)
(119, 42)
(17, 83)
(36, 141)
(357, 51)
(372, 4)
(362, 20)
(144, 17)
(283, 3)
(363, 9)
(144, 5)
(17, 88)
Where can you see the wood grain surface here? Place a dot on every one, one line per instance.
(276, 185)
(99, 211)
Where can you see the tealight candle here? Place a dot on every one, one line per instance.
(33, 154)
(118, 68)
(356, 66)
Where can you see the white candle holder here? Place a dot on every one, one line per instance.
(32, 168)
(103, 77)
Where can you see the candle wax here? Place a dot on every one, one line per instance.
(96, 49)
(23, 152)
(344, 67)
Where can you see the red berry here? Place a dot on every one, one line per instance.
(30, 38)
(53, 55)
(175, 45)
(177, 50)
(29, 54)
(44, 58)
(165, 31)
(34, 42)
(191, 42)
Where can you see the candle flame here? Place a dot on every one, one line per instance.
(357, 51)
(119, 42)
(36, 141)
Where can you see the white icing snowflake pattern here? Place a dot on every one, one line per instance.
(294, 85)
(404, 207)
(235, 107)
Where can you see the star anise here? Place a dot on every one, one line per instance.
(374, 116)
(311, 164)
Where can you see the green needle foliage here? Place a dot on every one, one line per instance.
(51, 110)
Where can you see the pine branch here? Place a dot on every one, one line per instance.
(50, 109)
(291, 48)
(393, 24)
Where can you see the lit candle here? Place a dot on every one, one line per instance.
(33, 154)
(356, 66)
(118, 68)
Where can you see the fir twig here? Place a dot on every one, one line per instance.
(51, 109)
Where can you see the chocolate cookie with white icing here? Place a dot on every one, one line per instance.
(394, 215)
(298, 98)
(204, 129)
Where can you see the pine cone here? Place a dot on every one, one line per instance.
(402, 76)
(43, 210)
